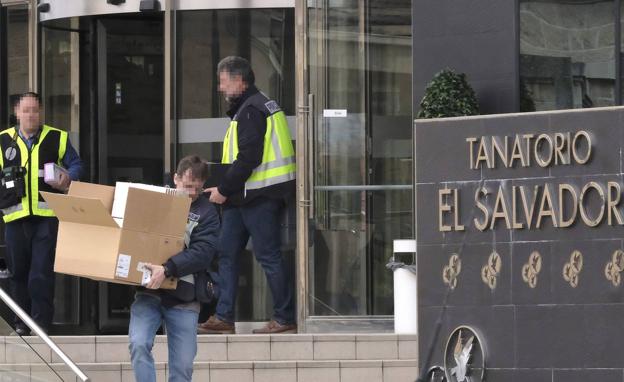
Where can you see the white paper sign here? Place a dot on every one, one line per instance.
(123, 265)
(335, 113)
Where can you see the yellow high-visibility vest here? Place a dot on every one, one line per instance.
(48, 148)
(278, 157)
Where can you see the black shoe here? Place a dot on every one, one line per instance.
(22, 331)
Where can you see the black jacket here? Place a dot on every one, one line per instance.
(251, 129)
(202, 231)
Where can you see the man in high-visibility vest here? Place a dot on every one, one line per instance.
(261, 175)
(30, 225)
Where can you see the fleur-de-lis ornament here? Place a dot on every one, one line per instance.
(532, 268)
(614, 268)
(451, 271)
(490, 271)
(572, 268)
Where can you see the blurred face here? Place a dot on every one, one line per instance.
(192, 186)
(27, 112)
(232, 86)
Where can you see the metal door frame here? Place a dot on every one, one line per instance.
(305, 195)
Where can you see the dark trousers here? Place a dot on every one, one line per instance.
(260, 220)
(31, 244)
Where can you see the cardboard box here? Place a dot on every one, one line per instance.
(121, 195)
(91, 244)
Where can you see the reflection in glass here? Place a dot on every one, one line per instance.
(60, 80)
(566, 54)
(17, 56)
(60, 95)
(264, 36)
(349, 260)
(134, 100)
(360, 61)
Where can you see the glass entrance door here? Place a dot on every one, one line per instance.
(130, 100)
(360, 140)
(130, 124)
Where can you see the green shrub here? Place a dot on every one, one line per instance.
(448, 95)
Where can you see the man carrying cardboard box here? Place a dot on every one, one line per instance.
(31, 226)
(179, 308)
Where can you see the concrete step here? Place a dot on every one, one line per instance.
(231, 371)
(221, 348)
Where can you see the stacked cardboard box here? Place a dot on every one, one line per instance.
(92, 244)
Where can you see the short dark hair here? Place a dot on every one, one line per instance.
(237, 66)
(28, 94)
(198, 167)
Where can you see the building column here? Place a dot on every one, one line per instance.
(4, 87)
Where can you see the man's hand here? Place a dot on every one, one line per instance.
(215, 195)
(158, 276)
(63, 184)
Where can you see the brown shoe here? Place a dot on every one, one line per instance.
(215, 326)
(274, 327)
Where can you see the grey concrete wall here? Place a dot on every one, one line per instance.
(477, 37)
(548, 329)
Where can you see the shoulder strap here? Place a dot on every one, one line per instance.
(10, 131)
(262, 103)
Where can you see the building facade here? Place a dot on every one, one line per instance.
(137, 91)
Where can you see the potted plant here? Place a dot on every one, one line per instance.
(448, 95)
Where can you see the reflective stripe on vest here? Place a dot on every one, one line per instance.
(32, 179)
(22, 209)
(12, 209)
(278, 157)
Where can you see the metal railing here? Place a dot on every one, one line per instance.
(26, 319)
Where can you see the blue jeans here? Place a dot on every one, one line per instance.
(260, 220)
(146, 315)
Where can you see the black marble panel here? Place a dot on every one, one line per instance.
(519, 375)
(602, 375)
(603, 336)
(495, 325)
(531, 279)
(447, 155)
(533, 334)
(559, 323)
(605, 127)
(592, 286)
(471, 289)
(476, 37)
(511, 125)
(594, 207)
(428, 229)
(569, 336)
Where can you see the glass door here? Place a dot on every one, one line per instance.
(359, 54)
(60, 95)
(130, 124)
(130, 100)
